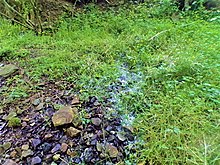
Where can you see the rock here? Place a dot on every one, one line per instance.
(96, 121)
(25, 147)
(6, 145)
(99, 146)
(36, 102)
(56, 157)
(112, 150)
(71, 153)
(72, 132)
(64, 147)
(13, 154)
(8, 70)
(56, 148)
(35, 142)
(36, 160)
(75, 100)
(40, 106)
(48, 136)
(46, 147)
(120, 136)
(10, 162)
(64, 116)
(26, 153)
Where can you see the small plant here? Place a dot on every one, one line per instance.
(14, 122)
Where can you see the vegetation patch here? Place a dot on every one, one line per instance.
(152, 72)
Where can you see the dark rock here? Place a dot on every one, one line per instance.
(46, 147)
(35, 142)
(56, 148)
(36, 160)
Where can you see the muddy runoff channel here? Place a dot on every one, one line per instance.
(56, 127)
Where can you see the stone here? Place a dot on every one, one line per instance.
(96, 121)
(72, 132)
(112, 150)
(36, 160)
(99, 146)
(8, 70)
(56, 148)
(36, 102)
(35, 142)
(120, 136)
(26, 153)
(10, 162)
(71, 153)
(13, 154)
(75, 100)
(65, 115)
(56, 157)
(25, 147)
(40, 106)
(6, 145)
(64, 147)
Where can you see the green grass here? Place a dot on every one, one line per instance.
(177, 101)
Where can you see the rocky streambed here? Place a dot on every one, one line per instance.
(53, 126)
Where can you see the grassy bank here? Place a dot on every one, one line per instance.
(177, 104)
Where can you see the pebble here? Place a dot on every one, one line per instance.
(72, 132)
(25, 147)
(56, 157)
(56, 148)
(36, 160)
(64, 147)
(27, 153)
(10, 162)
(96, 121)
(35, 142)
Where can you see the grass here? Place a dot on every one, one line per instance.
(177, 98)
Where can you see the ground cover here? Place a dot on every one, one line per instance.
(158, 70)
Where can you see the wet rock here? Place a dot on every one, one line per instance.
(64, 147)
(36, 160)
(56, 148)
(56, 157)
(27, 153)
(10, 162)
(35, 142)
(112, 150)
(8, 70)
(64, 116)
(25, 147)
(72, 132)
(96, 121)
